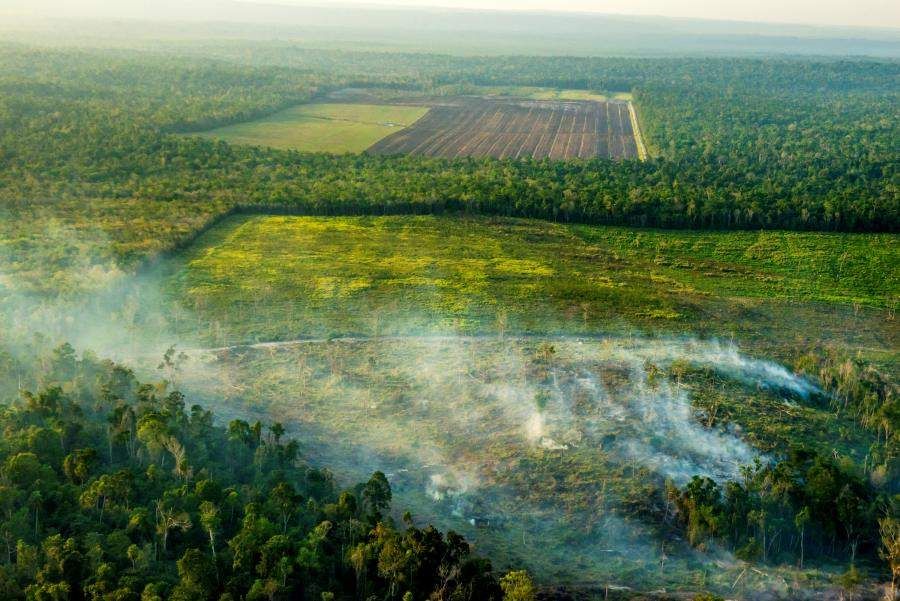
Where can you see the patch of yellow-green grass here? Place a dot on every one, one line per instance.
(537, 93)
(276, 277)
(335, 128)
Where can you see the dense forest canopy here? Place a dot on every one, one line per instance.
(738, 143)
(112, 489)
(116, 489)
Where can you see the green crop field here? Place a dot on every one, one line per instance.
(335, 128)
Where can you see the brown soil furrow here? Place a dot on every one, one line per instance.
(471, 138)
(513, 144)
(558, 151)
(407, 140)
(593, 147)
(553, 133)
(625, 128)
(529, 145)
(585, 130)
(499, 145)
(573, 146)
(480, 127)
(425, 141)
(603, 146)
(456, 136)
(487, 126)
(568, 123)
(433, 146)
(629, 147)
(469, 143)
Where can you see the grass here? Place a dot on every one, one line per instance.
(538, 93)
(520, 92)
(59, 247)
(275, 277)
(335, 128)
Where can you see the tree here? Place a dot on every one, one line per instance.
(517, 586)
(277, 431)
(172, 364)
(800, 521)
(209, 518)
(128, 552)
(393, 559)
(377, 496)
(197, 581)
(286, 501)
(889, 528)
(77, 466)
(168, 519)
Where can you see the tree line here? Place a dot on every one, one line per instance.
(738, 143)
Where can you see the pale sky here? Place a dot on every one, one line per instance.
(865, 13)
(848, 13)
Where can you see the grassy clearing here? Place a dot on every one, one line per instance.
(537, 93)
(520, 92)
(335, 128)
(268, 277)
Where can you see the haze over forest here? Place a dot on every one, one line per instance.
(454, 31)
(342, 302)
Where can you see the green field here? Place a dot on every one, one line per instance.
(334, 128)
(543, 93)
(538, 93)
(273, 278)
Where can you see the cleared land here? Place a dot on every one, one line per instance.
(537, 93)
(538, 447)
(325, 127)
(276, 278)
(518, 129)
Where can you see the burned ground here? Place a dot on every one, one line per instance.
(480, 127)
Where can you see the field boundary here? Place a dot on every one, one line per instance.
(636, 130)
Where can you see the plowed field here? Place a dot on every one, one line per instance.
(517, 129)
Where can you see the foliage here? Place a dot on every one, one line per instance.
(277, 277)
(806, 505)
(740, 143)
(114, 489)
(517, 586)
